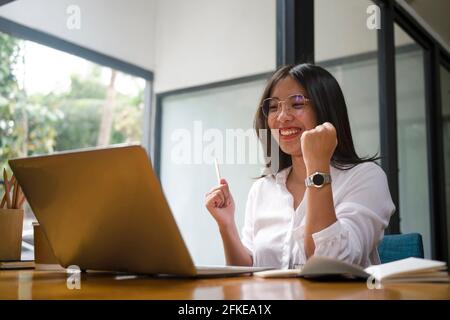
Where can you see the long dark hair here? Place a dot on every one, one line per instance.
(329, 105)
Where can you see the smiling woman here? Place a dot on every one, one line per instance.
(324, 101)
(318, 196)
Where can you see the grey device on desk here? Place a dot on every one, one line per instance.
(104, 209)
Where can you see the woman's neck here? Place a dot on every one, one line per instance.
(298, 172)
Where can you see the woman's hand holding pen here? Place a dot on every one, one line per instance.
(220, 204)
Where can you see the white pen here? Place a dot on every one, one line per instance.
(217, 170)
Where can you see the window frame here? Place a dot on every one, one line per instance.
(23, 32)
(433, 107)
(291, 51)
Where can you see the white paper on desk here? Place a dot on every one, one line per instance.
(318, 267)
(405, 270)
(411, 268)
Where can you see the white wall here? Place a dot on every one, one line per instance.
(433, 15)
(201, 41)
(121, 29)
(194, 42)
(337, 32)
(341, 30)
(185, 43)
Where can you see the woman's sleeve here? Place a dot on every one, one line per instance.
(362, 216)
(247, 230)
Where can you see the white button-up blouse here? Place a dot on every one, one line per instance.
(273, 230)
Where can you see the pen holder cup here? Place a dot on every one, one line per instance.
(44, 257)
(11, 224)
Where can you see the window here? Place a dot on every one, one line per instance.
(196, 127)
(445, 100)
(412, 138)
(348, 49)
(54, 101)
(212, 63)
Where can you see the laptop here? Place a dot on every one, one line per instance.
(104, 209)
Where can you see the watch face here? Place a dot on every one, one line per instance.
(318, 179)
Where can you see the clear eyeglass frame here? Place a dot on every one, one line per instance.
(294, 103)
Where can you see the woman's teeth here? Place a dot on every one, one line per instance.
(288, 132)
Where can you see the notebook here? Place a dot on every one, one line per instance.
(405, 270)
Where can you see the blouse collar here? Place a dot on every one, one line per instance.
(281, 176)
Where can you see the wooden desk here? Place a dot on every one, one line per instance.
(30, 284)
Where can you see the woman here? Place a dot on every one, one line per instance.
(322, 199)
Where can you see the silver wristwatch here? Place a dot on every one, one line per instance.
(318, 179)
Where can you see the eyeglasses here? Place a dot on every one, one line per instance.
(271, 107)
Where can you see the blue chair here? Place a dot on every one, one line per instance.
(400, 246)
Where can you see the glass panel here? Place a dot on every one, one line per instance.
(53, 101)
(412, 138)
(192, 124)
(445, 91)
(199, 43)
(353, 62)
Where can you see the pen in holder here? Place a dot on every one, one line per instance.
(11, 219)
